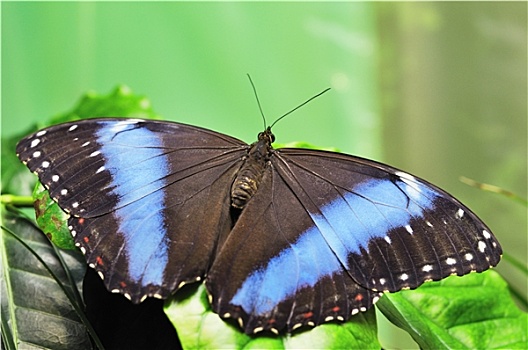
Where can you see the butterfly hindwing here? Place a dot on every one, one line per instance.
(276, 270)
(131, 187)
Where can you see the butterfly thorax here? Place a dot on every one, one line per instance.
(250, 174)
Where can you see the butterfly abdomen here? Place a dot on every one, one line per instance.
(250, 174)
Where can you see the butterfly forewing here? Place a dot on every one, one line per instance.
(132, 187)
(390, 230)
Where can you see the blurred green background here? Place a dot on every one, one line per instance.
(437, 89)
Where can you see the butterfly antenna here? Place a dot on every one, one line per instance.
(299, 106)
(258, 101)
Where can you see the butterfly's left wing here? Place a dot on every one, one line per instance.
(148, 200)
(326, 233)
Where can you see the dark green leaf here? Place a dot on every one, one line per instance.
(474, 311)
(38, 294)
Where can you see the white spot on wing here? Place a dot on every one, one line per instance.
(75, 204)
(45, 164)
(427, 268)
(459, 214)
(387, 239)
(34, 143)
(64, 191)
(41, 133)
(405, 175)
(481, 246)
(100, 169)
(468, 256)
(354, 311)
(55, 178)
(85, 144)
(121, 125)
(382, 281)
(404, 277)
(409, 229)
(428, 223)
(36, 154)
(486, 234)
(73, 127)
(93, 154)
(450, 261)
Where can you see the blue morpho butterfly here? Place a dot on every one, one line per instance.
(281, 237)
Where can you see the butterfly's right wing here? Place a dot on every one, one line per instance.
(147, 200)
(327, 233)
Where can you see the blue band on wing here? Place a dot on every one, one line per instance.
(300, 265)
(375, 207)
(138, 174)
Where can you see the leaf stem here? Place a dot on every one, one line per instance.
(19, 201)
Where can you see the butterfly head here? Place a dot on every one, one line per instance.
(267, 135)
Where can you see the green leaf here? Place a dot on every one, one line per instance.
(40, 300)
(16, 178)
(121, 102)
(200, 328)
(51, 218)
(474, 311)
(303, 144)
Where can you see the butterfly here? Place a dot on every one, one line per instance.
(282, 238)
